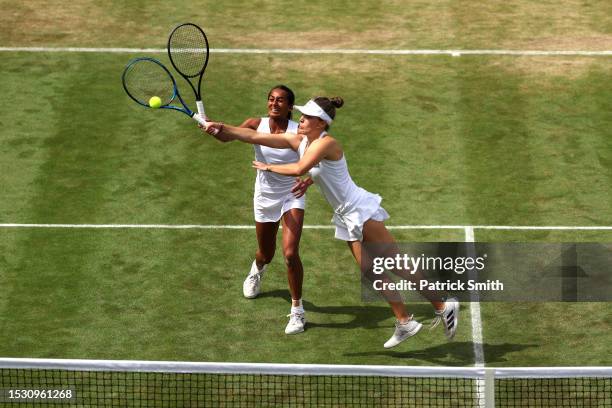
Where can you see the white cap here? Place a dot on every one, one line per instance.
(312, 109)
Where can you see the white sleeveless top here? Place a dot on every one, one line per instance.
(335, 182)
(267, 181)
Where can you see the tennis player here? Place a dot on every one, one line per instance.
(358, 215)
(274, 201)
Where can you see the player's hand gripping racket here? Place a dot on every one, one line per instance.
(144, 78)
(188, 52)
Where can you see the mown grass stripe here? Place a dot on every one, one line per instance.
(454, 53)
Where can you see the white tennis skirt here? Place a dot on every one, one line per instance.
(270, 206)
(349, 221)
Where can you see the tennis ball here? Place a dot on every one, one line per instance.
(155, 102)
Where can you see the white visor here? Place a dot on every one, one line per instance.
(312, 109)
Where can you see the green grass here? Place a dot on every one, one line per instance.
(428, 138)
(455, 141)
(464, 141)
(389, 24)
(177, 295)
(545, 333)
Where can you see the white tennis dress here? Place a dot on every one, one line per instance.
(273, 196)
(352, 205)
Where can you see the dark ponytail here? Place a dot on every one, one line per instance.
(329, 105)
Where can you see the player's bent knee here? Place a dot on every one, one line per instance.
(292, 258)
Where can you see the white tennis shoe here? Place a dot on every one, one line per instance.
(449, 316)
(297, 321)
(252, 284)
(403, 331)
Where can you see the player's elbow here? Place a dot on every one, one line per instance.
(300, 171)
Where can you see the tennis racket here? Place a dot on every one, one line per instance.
(188, 52)
(146, 77)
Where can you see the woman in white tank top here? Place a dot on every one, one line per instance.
(274, 201)
(358, 216)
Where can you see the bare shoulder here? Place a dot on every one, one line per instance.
(328, 141)
(331, 145)
(251, 123)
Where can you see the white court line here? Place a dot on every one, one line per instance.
(477, 338)
(542, 228)
(475, 313)
(507, 227)
(128, 226)
(393, 227)
(454, 53)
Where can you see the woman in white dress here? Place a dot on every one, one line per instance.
(358, 215)
(275, 200)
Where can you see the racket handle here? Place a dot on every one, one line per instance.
(200, 120)
(200, 106)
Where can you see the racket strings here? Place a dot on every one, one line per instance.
(145, 79)
(188, 50)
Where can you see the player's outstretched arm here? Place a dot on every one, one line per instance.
(250, 123)
(317, 151)
(226, 132)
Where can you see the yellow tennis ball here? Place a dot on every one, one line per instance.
(155, 102)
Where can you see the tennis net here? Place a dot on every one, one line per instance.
(103, 383)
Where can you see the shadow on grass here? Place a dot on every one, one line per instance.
(278, 293)
(371, 316)
(459, 352)
(363, 316)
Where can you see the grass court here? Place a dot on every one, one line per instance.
(473, 140)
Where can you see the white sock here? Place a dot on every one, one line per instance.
(298, 309)
(255, 269)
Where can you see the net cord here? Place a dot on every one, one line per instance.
(240, 368)
(303, 369)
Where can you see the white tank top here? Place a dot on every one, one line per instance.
(267, 181)
(334, 180)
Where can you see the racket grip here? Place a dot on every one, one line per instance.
(200, 106)
(200, 120)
